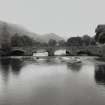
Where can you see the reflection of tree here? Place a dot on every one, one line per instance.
(100, 74)
(7, 64)
(74, 67)
(16, 65)
(51, 60)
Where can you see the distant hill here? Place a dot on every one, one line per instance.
(47, 37)
(14, 28)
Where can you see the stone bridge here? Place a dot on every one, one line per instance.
(74, 50)
(30, 50)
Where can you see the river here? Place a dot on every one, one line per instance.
(49, 81)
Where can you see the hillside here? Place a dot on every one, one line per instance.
(13, 28)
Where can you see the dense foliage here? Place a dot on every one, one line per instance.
(52, 42)
(100, 34)
(20, 41)
(75, 41)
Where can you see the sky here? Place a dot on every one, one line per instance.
(64, 17)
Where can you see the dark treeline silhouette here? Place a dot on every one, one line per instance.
(86, 40)
(98, 38)
(100, 34)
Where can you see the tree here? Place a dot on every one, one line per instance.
(99, 29)
(52, 42)
(16, 40)
(61, 43)
(93, 42)
(75, 41)
(86, 40)
(27, 41)
(5, 38)
(20, 41)
(101, 38)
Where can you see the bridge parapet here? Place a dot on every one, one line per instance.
(95, 50)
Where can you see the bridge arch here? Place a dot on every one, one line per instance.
(2, 53)
(17, 53)
(60, 52)
(84, 52)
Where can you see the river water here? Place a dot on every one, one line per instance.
(49, 81)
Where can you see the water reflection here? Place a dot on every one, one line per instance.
(100, 74)
(47, 81)
(49, 60)
(10, 66)
(16, 65)
(74, 67)
(5, 65)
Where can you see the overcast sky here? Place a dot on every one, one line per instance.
(64, 17)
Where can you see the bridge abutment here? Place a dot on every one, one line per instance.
(50, 52)
(68, 53)
(71, 52)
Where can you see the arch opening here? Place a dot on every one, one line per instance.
(17, 53)
(2, 53)
(84, 53)
(40, 53)
(60, 52)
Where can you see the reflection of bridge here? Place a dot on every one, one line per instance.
(74, 50)
(92, 50)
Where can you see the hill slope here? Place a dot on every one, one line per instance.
(13, 28)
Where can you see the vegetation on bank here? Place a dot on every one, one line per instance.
(17, 40)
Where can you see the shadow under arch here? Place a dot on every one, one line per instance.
(3, 53)
(84, 53)
(17, 53)
(100, 74)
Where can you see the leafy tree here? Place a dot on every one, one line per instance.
(93, 42)
(75, 41)
(16, 40)
(27, 41)
(99, 29)
(5, 38)
(52, 42)
(44, 44)
(61, 43)
(20, 41)
(101, 38)
(86, 40)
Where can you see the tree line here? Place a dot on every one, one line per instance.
(86, 40)
(17, 40)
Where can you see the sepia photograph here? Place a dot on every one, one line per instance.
(52, 52)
